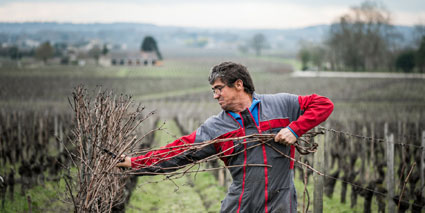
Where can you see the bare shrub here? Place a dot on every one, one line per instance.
(105, 128)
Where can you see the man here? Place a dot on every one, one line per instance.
(255, 188)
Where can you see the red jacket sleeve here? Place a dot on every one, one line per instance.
(164, 153)
(314, 110)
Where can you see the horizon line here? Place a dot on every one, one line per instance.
(156, 25)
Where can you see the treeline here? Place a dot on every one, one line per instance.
(364, 39)
(68, 53)
(43, 52)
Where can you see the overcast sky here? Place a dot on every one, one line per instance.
(202, 13)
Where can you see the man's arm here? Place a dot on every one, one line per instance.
(314, 110)
(170, 157)
(164, 153)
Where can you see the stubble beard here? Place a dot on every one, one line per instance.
(228, 106)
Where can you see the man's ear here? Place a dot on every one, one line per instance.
(239, 84)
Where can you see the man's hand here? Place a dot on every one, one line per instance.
(285, 136)
(124, 162)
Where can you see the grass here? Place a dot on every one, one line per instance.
(177, 195)
(51, 196)
(45, 198)
(296, 64)
(332, 204)
(164, 196)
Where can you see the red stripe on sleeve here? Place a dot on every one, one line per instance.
(164, 153)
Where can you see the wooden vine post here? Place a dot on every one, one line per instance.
(389, 138)
(423, 163)
(319, 157)
(364, 175)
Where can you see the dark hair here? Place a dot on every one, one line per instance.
(229, 73)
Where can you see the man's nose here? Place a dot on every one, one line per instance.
(216, 95)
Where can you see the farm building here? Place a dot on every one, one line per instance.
(129, 58)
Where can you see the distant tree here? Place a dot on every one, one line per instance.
(406, 61)
(258, 43)
(305, 56)
(105, 49)
(419, 33)
(14, 53)
(28, 52)
(363, 38)
(44, 51)
(318, 53)
(420, 56)
(95, 52)
(59, 49)
(4, 52)
(149, 45)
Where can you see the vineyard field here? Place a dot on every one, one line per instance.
(35, 114)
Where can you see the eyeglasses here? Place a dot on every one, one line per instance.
(217, 89)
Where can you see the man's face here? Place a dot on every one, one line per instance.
(226, 96)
